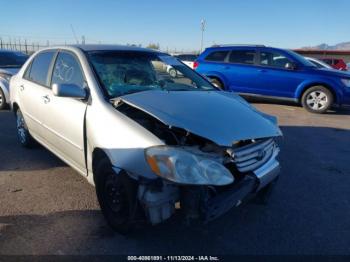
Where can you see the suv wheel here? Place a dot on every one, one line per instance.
(217, 83)
(24, 136)
(317, 99)
(2, 100)
(117, 196)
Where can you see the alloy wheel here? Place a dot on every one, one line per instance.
(21, 127)
(317, 100)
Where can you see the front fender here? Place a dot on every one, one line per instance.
(4, 86)
(120, 138)
(309, 83)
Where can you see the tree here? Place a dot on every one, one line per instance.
(153, 46)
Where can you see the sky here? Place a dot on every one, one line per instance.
(176, 24)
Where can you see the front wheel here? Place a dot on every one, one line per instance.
(2, 100)
(317, 99)
(23, 134)
(117, 196)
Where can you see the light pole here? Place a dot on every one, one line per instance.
(202, 29)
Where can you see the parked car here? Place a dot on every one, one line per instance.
(274, 73)
(144, 139)
(10, 63)
(348, 65)
(318, 63)
(336, 63)
(187, 59)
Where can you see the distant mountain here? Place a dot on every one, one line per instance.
(340, 46)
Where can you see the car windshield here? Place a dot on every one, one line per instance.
(125, 72)
(12, 59)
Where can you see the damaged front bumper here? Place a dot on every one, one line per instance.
(256, 169)
(250, 185)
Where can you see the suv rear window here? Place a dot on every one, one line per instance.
(40, 67)
(242, 56)
(217, 56)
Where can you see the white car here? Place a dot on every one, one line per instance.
(187, 59)
(318, 63)
(148, 142)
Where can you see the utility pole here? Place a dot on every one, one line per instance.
(83, 40)
(73, 32)
(202, 29)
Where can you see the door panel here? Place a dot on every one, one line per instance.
(32, 89)
(240, 70)
(273, 76)
(64, 117)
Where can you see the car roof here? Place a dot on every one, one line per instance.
(9, 51)
(229, 47)
(89, 47)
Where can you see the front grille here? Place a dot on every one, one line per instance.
(252, 156)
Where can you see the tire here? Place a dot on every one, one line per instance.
(217, 83)
(117, 196)
(172, 72)
(2, 100)
(23, 134)
(317, 99)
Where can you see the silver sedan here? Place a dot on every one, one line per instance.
(148, 141)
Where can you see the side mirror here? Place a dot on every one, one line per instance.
(291, 66)
(69, 90)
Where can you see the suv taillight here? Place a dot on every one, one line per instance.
(195, 64)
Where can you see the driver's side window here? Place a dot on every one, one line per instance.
(274, 59)
(67, 70)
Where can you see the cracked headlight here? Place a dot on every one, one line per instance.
(180, 166)
(346, 82)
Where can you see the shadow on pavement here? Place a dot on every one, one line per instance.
(15, 157)
(307, 214)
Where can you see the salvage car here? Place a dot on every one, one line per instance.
(147, 141)
(10, 63)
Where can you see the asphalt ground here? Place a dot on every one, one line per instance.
(48, 208)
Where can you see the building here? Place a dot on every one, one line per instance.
(319, 53)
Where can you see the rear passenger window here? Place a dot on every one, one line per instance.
(274, 59)
(217, 56)
(242, 57)
(40, 68)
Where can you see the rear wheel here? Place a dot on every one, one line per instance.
(23, 134)
(2, 100)
(172, 72)
(317, 99)
(217, 83)
(117, 196)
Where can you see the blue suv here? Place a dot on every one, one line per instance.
(276, 74)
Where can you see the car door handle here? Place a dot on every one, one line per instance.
(262, 70)
(21, 87)
(46, 99)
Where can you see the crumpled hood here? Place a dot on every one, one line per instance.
(221, 117)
